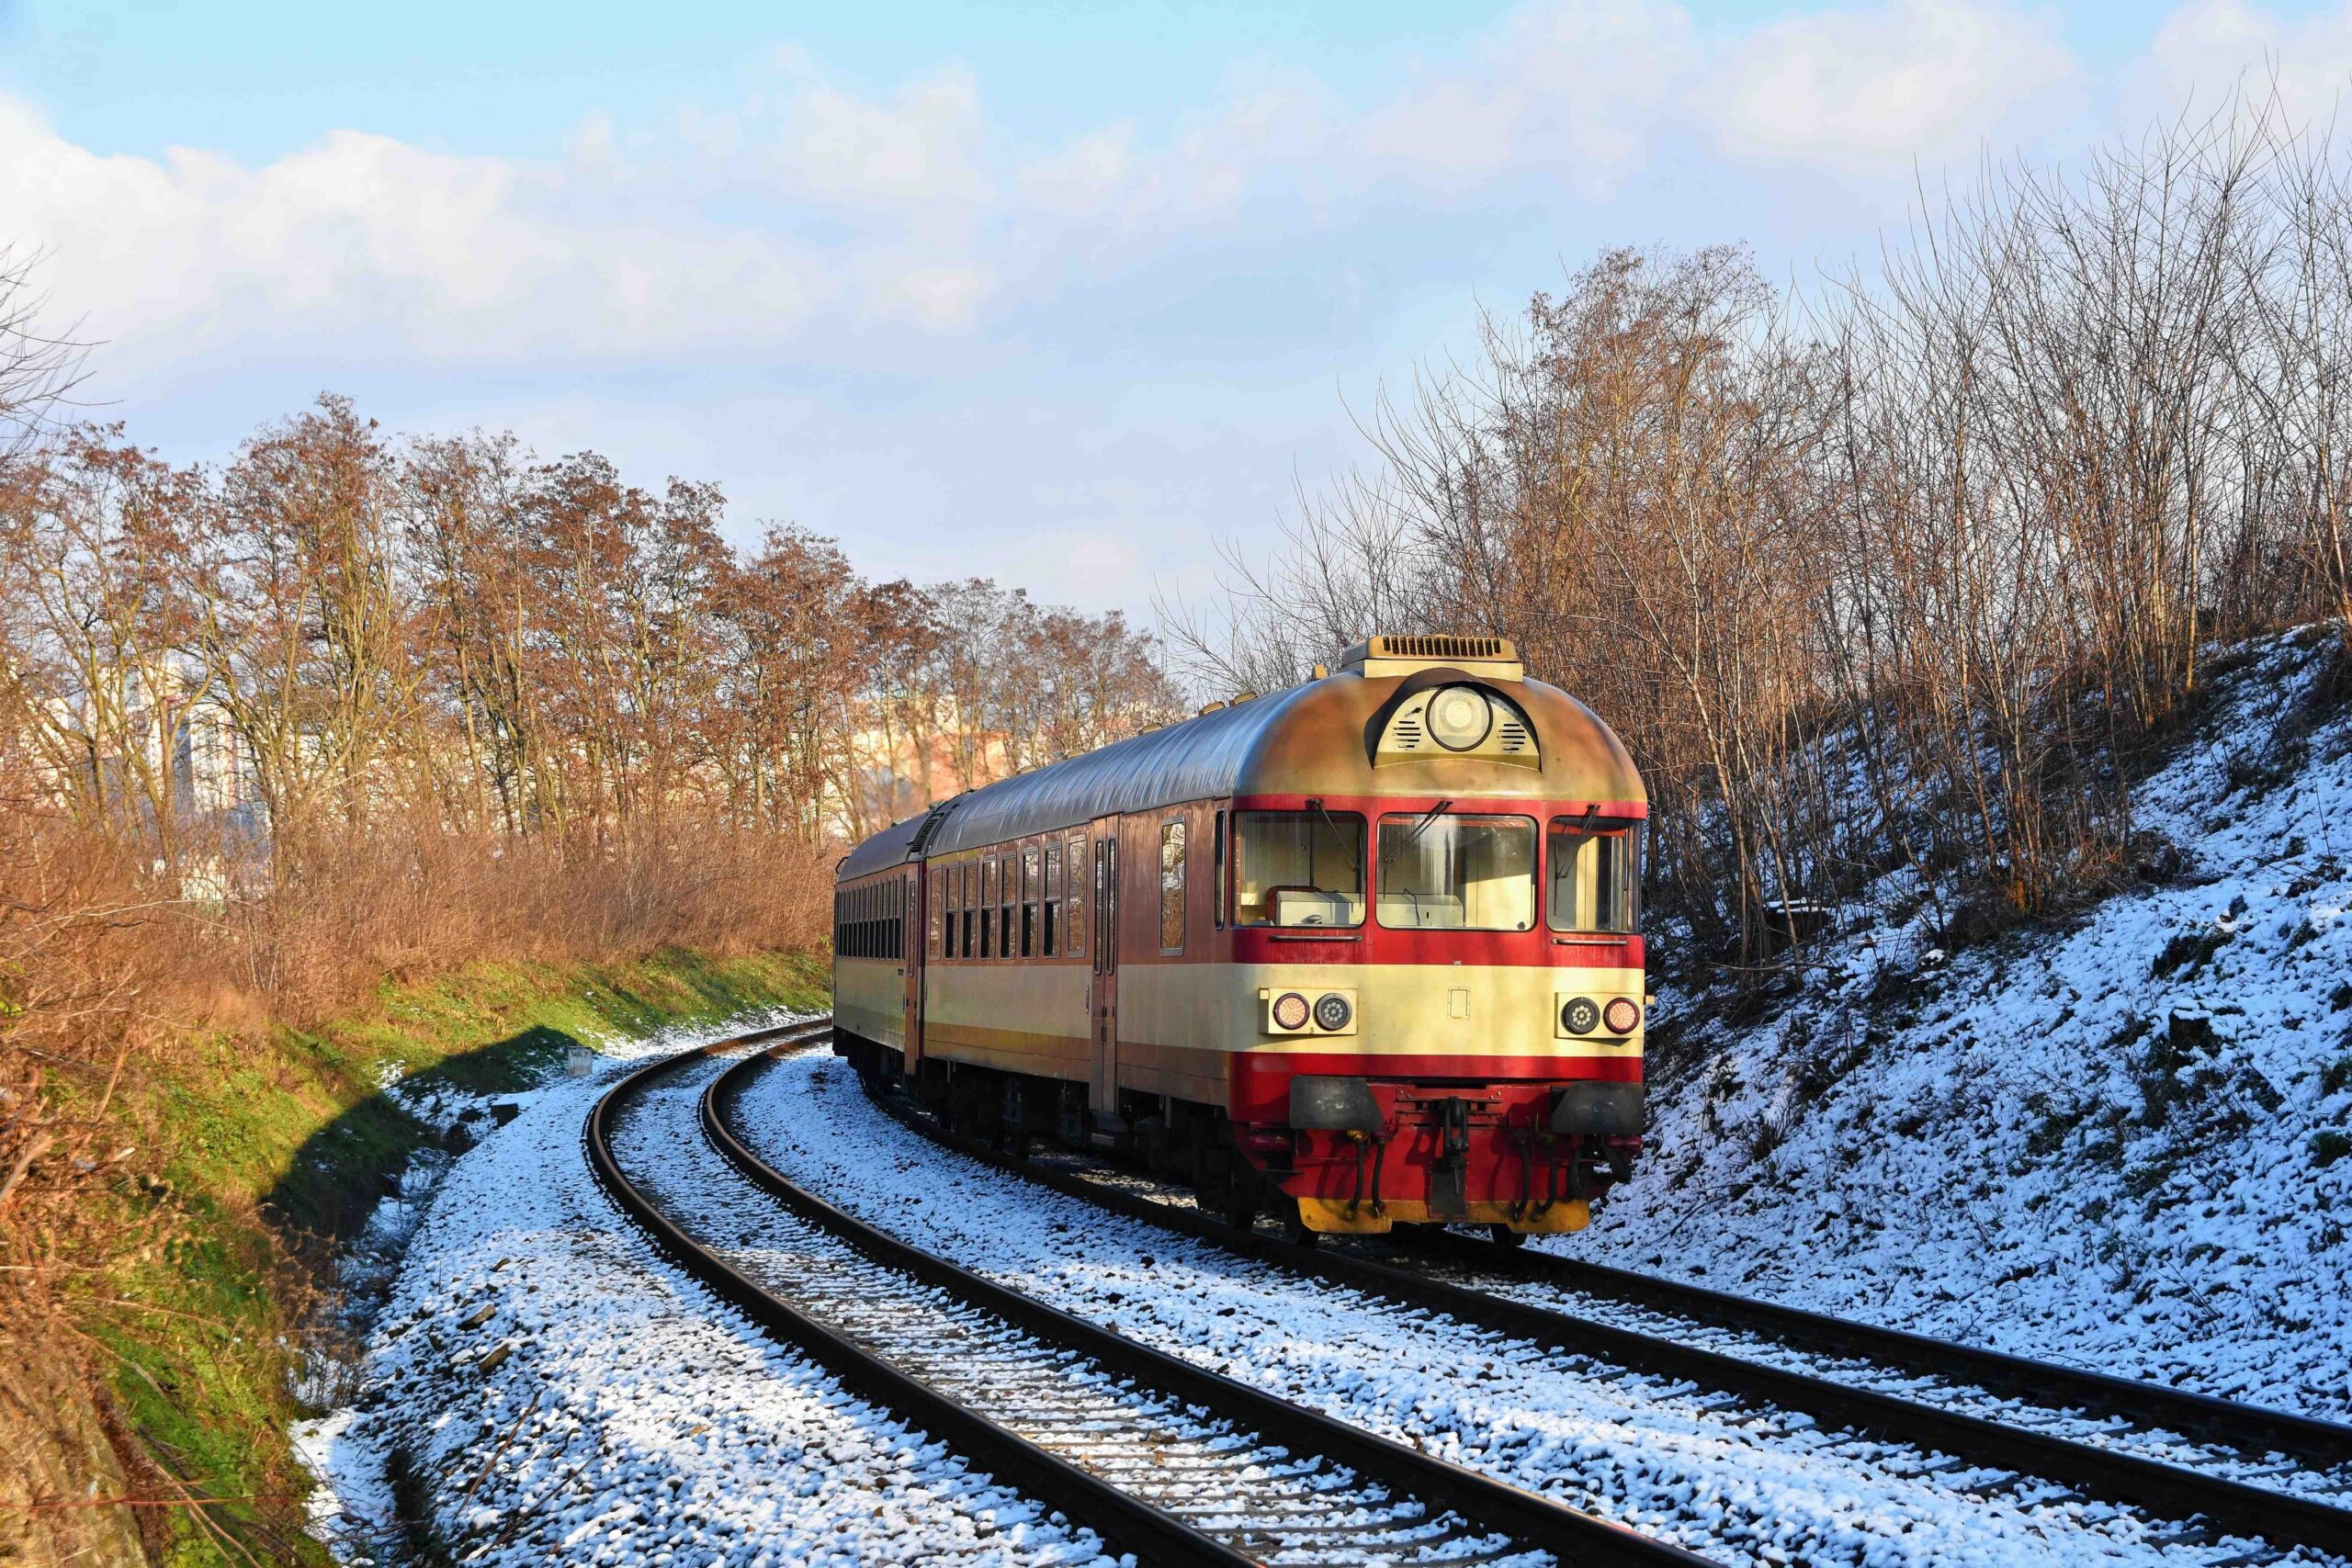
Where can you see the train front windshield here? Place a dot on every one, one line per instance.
(1439, 871)
(1596, 876)
(1297, 868)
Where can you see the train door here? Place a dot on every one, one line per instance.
(1105, 935)
(911, 952)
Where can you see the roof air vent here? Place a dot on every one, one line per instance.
(1489, 658)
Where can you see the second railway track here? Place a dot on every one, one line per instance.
(1159, 1457)
(2220, 1460)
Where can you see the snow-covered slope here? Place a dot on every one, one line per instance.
(2126, 1143)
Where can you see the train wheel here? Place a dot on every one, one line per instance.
(1506, 1238)
(1241, 1212)
(1295, 1231)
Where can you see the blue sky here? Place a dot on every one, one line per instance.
(1062, 293)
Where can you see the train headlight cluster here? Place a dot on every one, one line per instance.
(1620, 1016)
(1307, 1012)
(1459, 717)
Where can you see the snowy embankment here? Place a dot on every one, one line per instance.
(2121, 1144)
(1743, 1484)
(557, 1392)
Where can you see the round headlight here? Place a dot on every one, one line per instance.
(1290, 1010)
(1332, 1012)
(1580, 1015)
(1623, 1015)
(1459, 717)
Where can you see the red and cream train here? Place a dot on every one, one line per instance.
(1364, 952)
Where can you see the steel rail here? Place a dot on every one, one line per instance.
(1572, 1536)
(2168, 1491)
(2259, 1429)
(1127, 1522)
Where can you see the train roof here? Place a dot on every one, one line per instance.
(1309, 740)
(1192, 761)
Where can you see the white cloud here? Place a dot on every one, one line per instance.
(912, 152)
(388, 251)
(1872, 90)
(2209, 49)
(1083, 175)
(1576, 87)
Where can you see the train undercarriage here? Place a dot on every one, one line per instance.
(1356, 1156)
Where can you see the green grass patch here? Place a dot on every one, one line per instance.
(282, 1144)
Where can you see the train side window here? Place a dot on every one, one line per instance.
(967, 904)
(1008, 896)
(1074, 906)
(1172, 887)
(1030, 883)
(988, 908)
(942, 913)
(1050, 939)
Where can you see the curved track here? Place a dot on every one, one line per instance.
(2267, 1443)
(1167, 1460)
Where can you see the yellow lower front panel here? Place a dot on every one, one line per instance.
(1337, 1216)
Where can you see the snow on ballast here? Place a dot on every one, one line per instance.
(1740, 1481)
(2185, 1453)
(611, 1410)
(1181, 1455)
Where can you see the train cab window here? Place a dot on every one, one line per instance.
(1172, 887)
(1074, 901)
(1297, 868)
(1439, 871)
(1008, 896)
(1596, 874)
(1030, 884)
(1050, 939)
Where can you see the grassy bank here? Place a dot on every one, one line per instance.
(282, 1142)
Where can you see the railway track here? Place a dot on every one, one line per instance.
(2097, 1434)
(1161, 1457)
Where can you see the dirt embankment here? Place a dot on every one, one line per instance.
(144, 1411)
(58, 1462)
